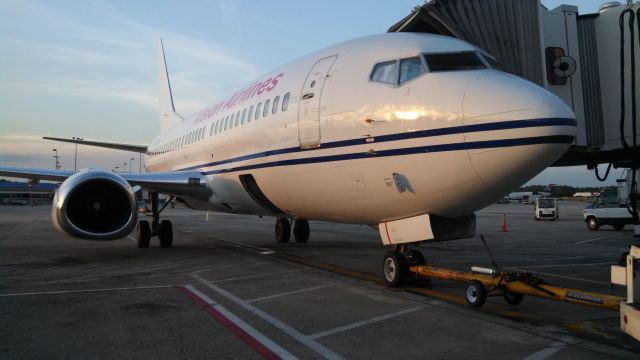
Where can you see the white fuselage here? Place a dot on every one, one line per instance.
(459, 139)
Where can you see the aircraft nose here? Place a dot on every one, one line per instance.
(513, 130)
(498, 96)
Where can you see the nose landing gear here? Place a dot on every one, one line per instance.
(163, 230)
(396, 264)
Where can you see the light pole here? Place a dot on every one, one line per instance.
(117, 167)
(57, 163)
(75, 158)
(131, 165)
(124, 168)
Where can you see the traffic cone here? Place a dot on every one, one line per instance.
(504, 223)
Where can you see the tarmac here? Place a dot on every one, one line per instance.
(227, 290)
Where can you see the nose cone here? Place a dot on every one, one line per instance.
(513, 130)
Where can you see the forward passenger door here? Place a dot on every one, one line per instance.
(310, 103)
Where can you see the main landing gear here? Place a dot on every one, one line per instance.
(395, 266)
(162, 229)
(301, 230)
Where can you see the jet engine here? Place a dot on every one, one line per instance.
(95, 205)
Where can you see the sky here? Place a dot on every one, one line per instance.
(87, 68)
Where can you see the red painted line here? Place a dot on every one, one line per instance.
(388, 236)
(239, 332)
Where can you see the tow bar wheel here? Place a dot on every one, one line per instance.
(476, 294)
(394, 268)
(512, 298)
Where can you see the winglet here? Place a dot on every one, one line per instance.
(168, 115)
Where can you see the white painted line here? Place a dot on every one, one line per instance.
(257, 335)
(132, 239)
(307, 341)
(545, 353)
(599, 238)
(256, 276)
(563, 265)
(562, 276)
(134, 270)
(289, 293)
(87, 290)
(364, 322)
(263, 251)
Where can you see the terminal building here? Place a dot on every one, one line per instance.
(23, 193)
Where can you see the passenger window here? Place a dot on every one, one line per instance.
(467, 60)
(238, 118)
(385, 72)
(231, 121)
(265, 112)
(244, 116)
(410, 68)
(285, 102)
(258, 107)
(250, 115)
(226, 123)
(276, 102)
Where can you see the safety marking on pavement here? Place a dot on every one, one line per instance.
(255, 276)
(365, 322)
(87, 290)
(599, 238)
(546, 353)
(306, 340)
(252, 337)
(563, 265)
(262, 251)
(132, 239)
(562, 276)
(289, 293)
(134, 270)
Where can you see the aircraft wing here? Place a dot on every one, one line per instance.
(181, 183)
(126, 147)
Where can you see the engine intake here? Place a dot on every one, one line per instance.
(95, 205)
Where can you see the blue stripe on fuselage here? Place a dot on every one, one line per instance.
(556, 139)
(503, 125)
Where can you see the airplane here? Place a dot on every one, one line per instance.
(406, 132)
(521, 195)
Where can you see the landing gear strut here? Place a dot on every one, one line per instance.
(163, 230)
(301, 230)
(396, 263)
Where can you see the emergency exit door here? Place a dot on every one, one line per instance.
(310, 103)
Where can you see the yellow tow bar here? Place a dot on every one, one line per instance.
(514, 285)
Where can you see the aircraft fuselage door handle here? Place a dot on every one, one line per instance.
(307, 96)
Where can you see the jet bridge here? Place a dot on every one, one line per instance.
(588, 60)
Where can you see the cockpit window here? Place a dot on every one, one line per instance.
(410, 68)
(385, 72)
(468, 60)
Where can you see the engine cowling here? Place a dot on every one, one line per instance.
(95, 205)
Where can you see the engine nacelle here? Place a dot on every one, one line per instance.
(95, 205)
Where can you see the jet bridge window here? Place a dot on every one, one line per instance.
(467, 60)
(410, 68)
(385, 72)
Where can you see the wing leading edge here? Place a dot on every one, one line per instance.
(126, 147)
(181, 183)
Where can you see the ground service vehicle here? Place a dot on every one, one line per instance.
(545, 208)
(607, 210)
